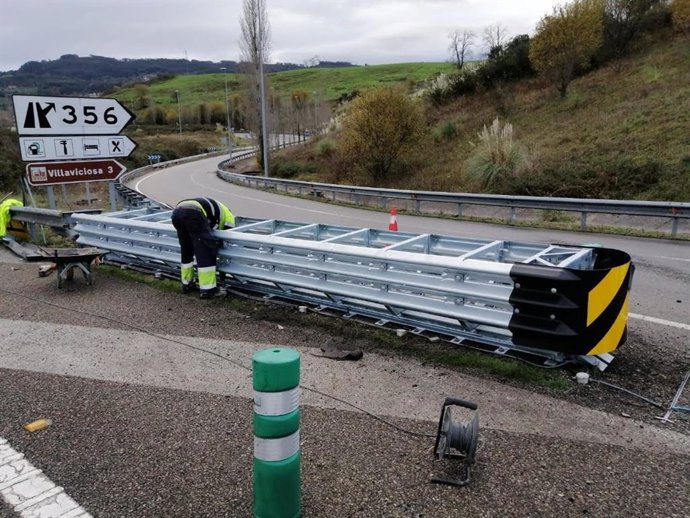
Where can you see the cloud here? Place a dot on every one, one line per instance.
(360, 31)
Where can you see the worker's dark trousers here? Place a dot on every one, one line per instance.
(196, 240)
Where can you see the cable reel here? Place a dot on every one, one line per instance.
(455, 440)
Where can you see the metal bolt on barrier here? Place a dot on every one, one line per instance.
(277, 487)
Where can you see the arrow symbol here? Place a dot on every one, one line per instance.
(42, 112)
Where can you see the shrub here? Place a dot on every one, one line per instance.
(381, 132)
(496, 155)
(439, 92)
(465, 83)
(447, 131)
(508, 62)
(326, 148)
(680, 10)
(621, 178)
(286, 168)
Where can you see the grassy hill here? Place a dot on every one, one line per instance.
(329, 83)
(622, 132)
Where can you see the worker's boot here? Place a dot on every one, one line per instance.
(188, 288)
(211, 293)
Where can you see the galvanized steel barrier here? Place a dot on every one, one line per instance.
(557, 302)
(673, 211)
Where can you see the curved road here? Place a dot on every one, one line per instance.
(661, 286)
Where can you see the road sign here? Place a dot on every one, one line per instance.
(54, 173)
(70, 147)
(37, 115)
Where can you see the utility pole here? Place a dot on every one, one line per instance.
(227, 111)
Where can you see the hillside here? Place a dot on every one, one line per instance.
(330, 84)
(75, 75)
(622, 132)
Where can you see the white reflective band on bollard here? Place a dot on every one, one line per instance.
(272, 450)
(276, 403)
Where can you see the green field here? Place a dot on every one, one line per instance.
(327, 83)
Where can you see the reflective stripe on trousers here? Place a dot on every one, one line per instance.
(207, 277)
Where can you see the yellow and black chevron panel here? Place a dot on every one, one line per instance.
(578, 312)
(18, 230)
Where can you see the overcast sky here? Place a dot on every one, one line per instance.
(359, 31)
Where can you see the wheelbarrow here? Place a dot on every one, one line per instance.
(67, 260)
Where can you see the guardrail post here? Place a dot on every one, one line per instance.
(460, 210)
(113, 196)
(513, 214)
(583, 220)
(674, 226)
(277, 488)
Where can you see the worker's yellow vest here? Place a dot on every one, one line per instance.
(9, 226)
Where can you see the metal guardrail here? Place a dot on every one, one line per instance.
(556, 302)
(675, 211)
(133, 198)
(59, 220)
(559, 303)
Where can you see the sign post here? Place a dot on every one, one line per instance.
(64, 139)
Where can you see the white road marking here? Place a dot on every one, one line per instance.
(661, 321)
(673, 258)
(148, 177)
(277, 204)
(29, 492)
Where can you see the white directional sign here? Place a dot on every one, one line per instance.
(36, 115)
(73, 147)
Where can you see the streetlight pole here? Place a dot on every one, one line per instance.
(179, 113)
(227, 110)
(262, 93)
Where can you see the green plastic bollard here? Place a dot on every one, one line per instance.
(277, 486)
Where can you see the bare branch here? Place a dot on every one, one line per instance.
(494, 36)
(459, 46)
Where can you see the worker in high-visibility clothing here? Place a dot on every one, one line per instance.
(6, 216)
(194, 220)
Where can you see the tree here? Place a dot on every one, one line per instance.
(141, 93)
(254, 45)
(459, 46)
(380, 131)
(680, 10)
(312, 62)
(623, 22)
(566, 41)
(300, 98)
(494, 37)
(508, 62)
